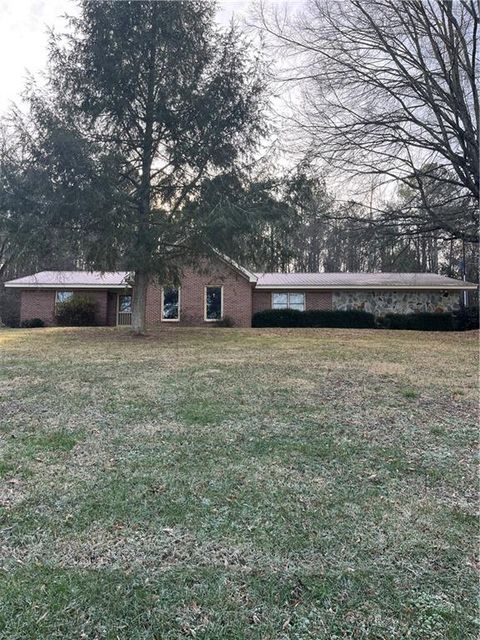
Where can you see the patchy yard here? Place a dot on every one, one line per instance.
(224, 484)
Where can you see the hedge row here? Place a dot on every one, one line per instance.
(313, 318)
(32, 323)
(467, 319)
(463, 320)
(419, 321)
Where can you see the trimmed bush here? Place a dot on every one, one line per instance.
(339, 319)
(313, 318)
(79, 311)
(277, 318)
(226, 322)
(32, 323)
(9, 307)
(466, 319)
(420, 321)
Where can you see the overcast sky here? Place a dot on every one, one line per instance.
(24, 35)
(24, 32)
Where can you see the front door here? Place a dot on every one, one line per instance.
(124, 310)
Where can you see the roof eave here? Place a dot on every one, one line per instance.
(62, 285)
(447, 287)
(249, 275)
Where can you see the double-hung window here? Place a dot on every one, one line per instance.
(213, 303)
(288, 300)
(170, 304)
(63, 296)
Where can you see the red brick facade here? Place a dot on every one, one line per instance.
(237, 296)
(40, 303)
(237, 299)
(262, 299)
(240, 299)
(112, 299)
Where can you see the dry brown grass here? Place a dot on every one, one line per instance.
(239, 484)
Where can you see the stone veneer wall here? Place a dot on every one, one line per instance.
(382, 302)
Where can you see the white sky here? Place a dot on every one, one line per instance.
(24, 33)
(23, 41)
(24, 28)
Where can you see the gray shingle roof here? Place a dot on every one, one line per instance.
(359, 281)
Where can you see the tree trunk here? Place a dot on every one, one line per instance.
(139, 302)
(142, 275)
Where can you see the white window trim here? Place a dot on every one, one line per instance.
(162, 319)
(212, 286)
(288, 298)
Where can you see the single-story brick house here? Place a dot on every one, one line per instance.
(220, 287)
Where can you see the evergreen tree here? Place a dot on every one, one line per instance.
(145, 100)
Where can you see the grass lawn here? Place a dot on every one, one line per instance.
(224, 483)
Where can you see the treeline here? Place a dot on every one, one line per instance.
(289, 223)
(294, 223)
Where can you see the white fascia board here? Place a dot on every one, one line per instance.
(459, 287)
(13, 285)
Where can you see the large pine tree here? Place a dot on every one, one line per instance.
(144, 101)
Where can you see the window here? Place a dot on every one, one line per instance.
(279, 300)
(296, 301)
(125, 303)
(63, 296)
(288, 300)
(213, 303)
(170, 304)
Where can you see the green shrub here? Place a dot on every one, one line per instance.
(352, 319)
(313, 318)
(226, 321)
(420, 321)
(32, 323)
(466, 319)
(382, 322)
(9, 307)
(79, 311)
(277, 318)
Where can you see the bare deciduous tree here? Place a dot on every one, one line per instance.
(389, 89)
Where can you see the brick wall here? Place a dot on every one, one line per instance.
(112, 301)
(38, 303)
(100, 298)
(237, 296)
(262, 299)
